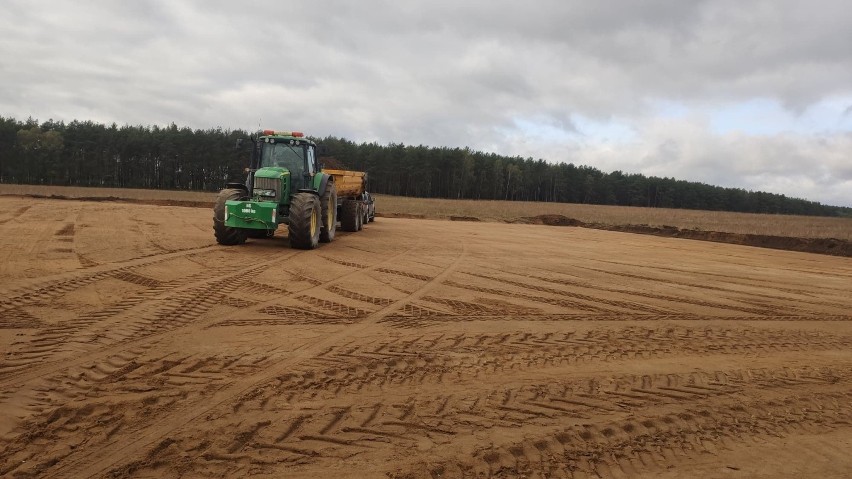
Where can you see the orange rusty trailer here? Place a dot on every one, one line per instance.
(355, 206)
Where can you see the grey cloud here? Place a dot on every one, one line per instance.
(440, 73)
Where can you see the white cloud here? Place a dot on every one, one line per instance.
(799, 165)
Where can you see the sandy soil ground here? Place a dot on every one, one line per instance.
(134, 346)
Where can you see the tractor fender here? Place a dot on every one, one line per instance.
(237, 186)
(308, 190)
(324, 183)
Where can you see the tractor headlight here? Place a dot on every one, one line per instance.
(268, 193)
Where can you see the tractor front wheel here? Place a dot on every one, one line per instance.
(227, 235)
(304, 229)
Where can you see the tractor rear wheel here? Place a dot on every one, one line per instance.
(351, 219)
(304, 229)
(329, 213)
(227, 235)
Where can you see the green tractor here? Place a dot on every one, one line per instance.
(284, 186)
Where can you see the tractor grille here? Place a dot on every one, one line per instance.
(269, 184)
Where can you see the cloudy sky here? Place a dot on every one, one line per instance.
(751, 94)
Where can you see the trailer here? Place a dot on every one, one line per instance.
(355, 206)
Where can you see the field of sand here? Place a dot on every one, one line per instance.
(131, 345)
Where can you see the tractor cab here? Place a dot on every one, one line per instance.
(280, 156)
(287, 152)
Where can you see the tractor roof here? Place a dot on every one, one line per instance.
(286, 135)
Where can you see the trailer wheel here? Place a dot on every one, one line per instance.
(304, 229)
(360, 216)
(329, 213)
(227, 235)
(351, 216)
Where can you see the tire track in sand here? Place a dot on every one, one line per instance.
(97, 462)
(597, 410)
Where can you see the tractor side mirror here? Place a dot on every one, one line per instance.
(239, 144)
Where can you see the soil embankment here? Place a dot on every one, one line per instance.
(830, 246)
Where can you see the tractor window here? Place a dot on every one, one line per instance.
(311, 161)
(283, 155)
(287, 156)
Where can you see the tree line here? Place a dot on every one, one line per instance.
(85, 153)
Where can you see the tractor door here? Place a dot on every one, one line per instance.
(312, 165)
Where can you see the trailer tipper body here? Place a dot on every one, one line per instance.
(355, 206)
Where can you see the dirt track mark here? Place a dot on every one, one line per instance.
(507, 307)
(482, 307)
(307, 279)
(620, 305)
(601, 408)
(770, 283)
(360, 297)
(50, 289)
(702, 286)
(415, 310)
(290, 320)
(17, 318)
(416, 316)
(644, 294)
(56, 338)
(110, 325)
(406, 274)
(528, 297)
(344, 263)
(46, 289)
(339, 309)
(631, 306)
(67, 230)
(86, 262)
(238, 303)
(431, 359)
(177, 311)
(286, 315)
(134, 278)
(263, 289)
(18, 213)
(384, 397)
(462, 308)
(625, 448)
(158, 384)
(96, 462)
(163, 307)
